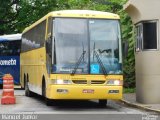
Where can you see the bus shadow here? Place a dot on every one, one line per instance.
(72, 104)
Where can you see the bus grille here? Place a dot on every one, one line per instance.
(97, 81)
(79, 81)
(88, 82)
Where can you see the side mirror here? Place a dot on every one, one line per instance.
(125, 47)
(48, 45)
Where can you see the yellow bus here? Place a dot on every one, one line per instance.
(73, 54)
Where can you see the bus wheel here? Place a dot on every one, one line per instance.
(47, 101)
(28, 93)
(102, 103)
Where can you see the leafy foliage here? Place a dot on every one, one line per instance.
(15, 15)
(8, 15)
(33, 10)
(129, 62)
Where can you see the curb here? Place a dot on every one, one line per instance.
(14, 95)
(139, 106)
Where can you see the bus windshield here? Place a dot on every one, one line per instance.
(87, 46)
(10, 48)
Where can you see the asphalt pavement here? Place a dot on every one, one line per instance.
(36, 108)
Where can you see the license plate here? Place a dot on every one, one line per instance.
(88, 91)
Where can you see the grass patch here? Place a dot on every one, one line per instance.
(129, 90)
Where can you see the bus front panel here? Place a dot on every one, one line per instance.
(85, 87)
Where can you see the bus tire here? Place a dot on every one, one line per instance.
(47, 101)
(102, 103)
(28, 93)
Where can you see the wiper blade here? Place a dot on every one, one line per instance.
(100, 62)
(79, 61)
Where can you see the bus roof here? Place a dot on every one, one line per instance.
(10, 37)
(76, 14)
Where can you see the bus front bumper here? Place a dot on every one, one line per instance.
(83, 92)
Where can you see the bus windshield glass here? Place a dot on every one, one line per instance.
(87, 46)
(10, 48)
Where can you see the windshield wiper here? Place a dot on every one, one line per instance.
(99, 61)
(79, 61)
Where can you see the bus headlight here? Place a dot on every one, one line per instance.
(115, 82)
(61, 82)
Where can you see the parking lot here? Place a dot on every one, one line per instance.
(37, 105)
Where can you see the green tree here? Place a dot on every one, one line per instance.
(129, 62)
(32, 10)
(8, 15)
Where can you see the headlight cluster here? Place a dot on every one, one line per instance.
(61, 82)
(115, 82)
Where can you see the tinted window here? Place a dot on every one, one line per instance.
(149, 35)
(34, 38)
(146, 35)
(9, 48)
(139, 37)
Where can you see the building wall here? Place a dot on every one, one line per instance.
(148, 76)
(140, 10)
(147, 62)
